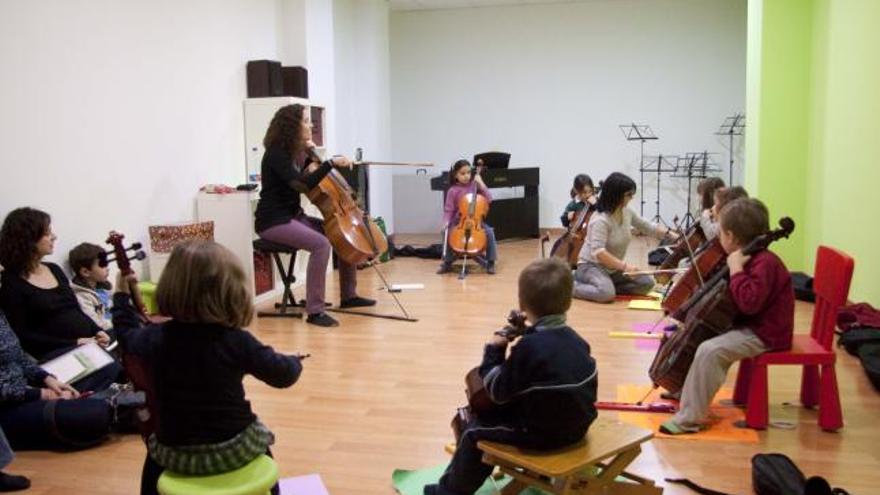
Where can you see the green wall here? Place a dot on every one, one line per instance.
(779, 99)
(813, 105)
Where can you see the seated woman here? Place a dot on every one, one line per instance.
(601, 269)
(39, 412)
(36, 295)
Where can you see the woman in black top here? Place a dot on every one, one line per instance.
(36, 296)
(288, 171)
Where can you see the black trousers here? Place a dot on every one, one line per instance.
(467, 472)
(152, 471)
(62, 424)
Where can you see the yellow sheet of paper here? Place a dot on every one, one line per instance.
(652, 305)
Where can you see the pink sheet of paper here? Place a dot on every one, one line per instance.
(309, 484)
(645, 327)
(648, 326)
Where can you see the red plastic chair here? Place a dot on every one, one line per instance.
(834, 271)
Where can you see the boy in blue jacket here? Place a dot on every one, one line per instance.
(545, 388)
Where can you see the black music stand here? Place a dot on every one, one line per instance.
(732, 126)
(695, 165)
(639, 132)
(493, 160)
(657, 165)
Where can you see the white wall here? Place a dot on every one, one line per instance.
(362, 107)
(115, 112)
(551, 83)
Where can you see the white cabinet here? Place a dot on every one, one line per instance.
(258, 112)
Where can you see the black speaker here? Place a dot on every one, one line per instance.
(295, 81)
(264, 79)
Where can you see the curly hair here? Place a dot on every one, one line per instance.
(22, 229)
(285, 129)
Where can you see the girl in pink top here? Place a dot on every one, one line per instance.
(462, 184)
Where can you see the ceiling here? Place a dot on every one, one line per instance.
(457, 4)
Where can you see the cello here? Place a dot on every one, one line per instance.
(706, 262)
(354, 236)
(479, 401)
(692, 239)
(468, 238)
(708, 313)
(568, 247)
(122, 259)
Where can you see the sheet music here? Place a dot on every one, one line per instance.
(78, 363)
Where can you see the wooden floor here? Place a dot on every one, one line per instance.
(378, 395)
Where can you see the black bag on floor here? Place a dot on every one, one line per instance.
(854, 338)
(434, 251)
(658, 256)
(803, 286)
(870, 357)
(776, 474)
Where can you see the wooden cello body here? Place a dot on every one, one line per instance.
(687, 245)
(468, 237)
(710, 311)
(568, 247)
(354, 236)
(705, 264)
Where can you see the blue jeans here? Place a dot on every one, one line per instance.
(491, 246)
(6, 454)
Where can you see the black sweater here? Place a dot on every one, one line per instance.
(283, 181)
(550, 382)
(45, 320)
(197, 371)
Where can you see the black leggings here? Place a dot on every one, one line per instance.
(152, 471)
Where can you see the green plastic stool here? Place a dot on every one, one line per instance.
(255, 478)
(148, 295)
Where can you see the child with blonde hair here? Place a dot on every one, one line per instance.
(197, 361)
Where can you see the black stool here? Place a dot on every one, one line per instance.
(287, 277)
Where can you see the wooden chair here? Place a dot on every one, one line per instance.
(834, 270)
(588, 467)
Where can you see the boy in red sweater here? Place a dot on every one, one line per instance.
(760, 286)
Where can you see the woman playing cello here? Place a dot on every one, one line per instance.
(289, 169)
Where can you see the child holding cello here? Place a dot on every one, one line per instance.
(542, 389)
(462, 183)
(707, 189)
(760, 286)
(582, 196)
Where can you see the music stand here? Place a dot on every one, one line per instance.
(732, 126)
(493, 159)
(694, 165)
(657, 165)
(639, 132)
